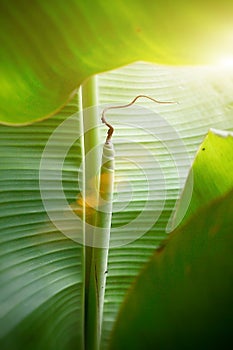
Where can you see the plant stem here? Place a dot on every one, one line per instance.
(91, 139)
(96, 254)
(79, 98)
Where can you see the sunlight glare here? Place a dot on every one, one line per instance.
(226, 62)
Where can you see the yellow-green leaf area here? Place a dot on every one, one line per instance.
(210, 176)
(48, 48)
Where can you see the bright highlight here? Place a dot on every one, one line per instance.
(226, 62)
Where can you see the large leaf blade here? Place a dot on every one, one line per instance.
(49, 48)
(205, 98)
(41, 269)
(185, 290)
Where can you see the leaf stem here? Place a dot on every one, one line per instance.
(91, 139)
(79, 100)
(99, 222)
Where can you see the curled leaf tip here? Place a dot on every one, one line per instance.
(111, 129)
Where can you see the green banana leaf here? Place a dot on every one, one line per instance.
(184, 294)
(48, 48)
(204, 102)
(211, 174)
(41, 271)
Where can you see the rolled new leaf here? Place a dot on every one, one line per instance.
(101, 246)
(103, 218)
